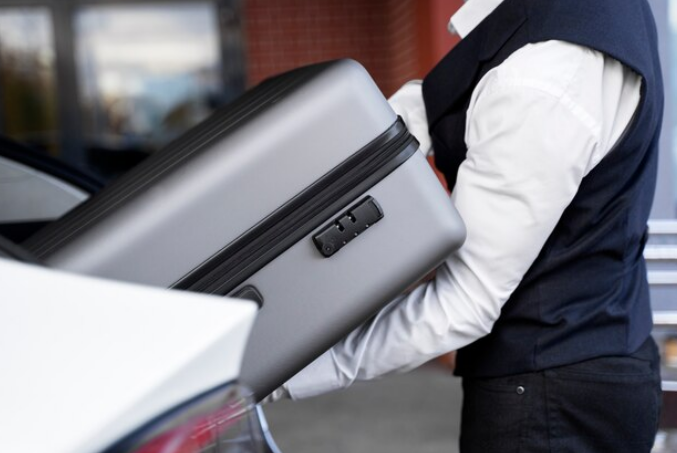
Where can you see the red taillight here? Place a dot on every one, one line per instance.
(171, 442)
(224, 428)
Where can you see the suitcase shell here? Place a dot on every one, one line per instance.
(307, 195)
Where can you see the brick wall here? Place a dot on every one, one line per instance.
(402, 44)
(284, 34)
(396, 40)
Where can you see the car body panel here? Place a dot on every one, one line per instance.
(30, 195)
(85, 361)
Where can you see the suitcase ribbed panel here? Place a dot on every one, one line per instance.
(154, 167)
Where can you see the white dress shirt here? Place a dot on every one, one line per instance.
(536, 126)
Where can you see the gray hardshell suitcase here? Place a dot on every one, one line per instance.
(307, 195)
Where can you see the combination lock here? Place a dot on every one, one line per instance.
(348, 226)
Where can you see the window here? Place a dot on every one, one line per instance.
(102, 83)
(146, 73)
(27, 77)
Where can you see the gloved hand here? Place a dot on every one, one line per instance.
(408, 103)
(281, 393)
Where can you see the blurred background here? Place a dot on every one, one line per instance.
(101, 84)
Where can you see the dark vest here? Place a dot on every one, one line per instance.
(586, 295)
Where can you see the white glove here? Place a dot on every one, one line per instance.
(408, 103)
(281, 393)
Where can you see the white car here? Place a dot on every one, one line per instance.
(95, 366)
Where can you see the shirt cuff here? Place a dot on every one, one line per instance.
(317, 378)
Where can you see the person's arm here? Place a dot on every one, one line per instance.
(407, 102)
(529, 147)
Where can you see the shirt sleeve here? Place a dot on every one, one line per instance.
(407, 102)
(528, 150)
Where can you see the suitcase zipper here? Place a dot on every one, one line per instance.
(309, 210)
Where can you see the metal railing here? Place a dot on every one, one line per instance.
(661, 257)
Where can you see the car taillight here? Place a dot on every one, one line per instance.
(224, 422)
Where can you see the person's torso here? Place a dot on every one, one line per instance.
(586, 295)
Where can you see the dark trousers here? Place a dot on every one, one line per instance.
(605, 405)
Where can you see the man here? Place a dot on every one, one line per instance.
(545, 120)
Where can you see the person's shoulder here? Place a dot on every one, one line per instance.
(551, 66)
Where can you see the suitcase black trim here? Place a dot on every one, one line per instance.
(309, 210)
